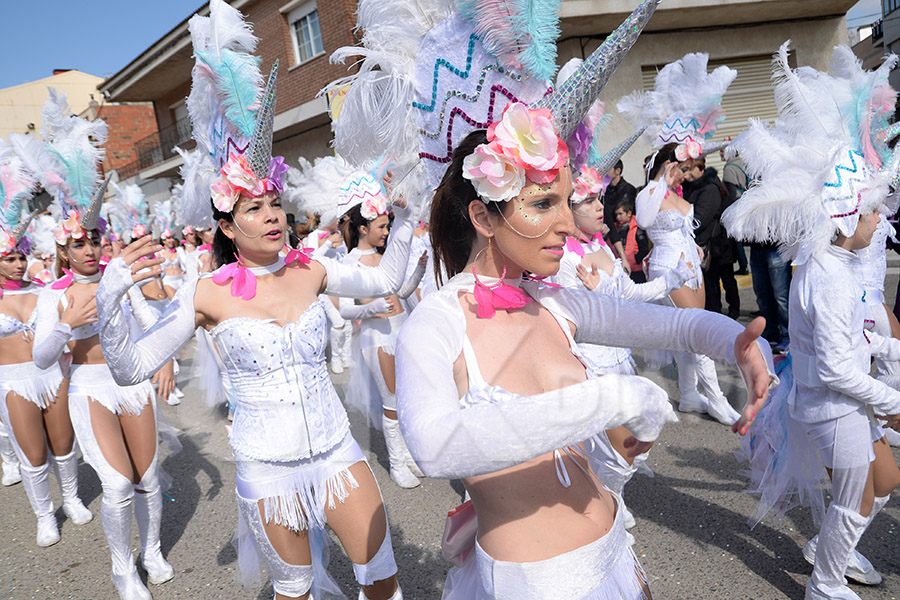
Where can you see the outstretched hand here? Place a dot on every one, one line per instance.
(755, 371)
(141, 249)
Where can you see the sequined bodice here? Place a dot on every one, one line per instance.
(672, 220)
(287, 407)
(11, 325)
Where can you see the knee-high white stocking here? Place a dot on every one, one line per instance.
(148, 514)
(11, 475)
(115, 512)
(36, 481)
(66, 468)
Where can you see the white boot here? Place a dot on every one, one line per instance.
(66, 468)
(148, 514)
(840, 532)
(397, 454)
(11, 475)
(691, 400)
(36, 481)
(337, 344)
(859, 569)
(398, 595)
(115, 512)
(719, 408)
(346, 348)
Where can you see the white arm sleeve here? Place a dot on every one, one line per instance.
(133, 361)
(648, 202)
(450, 438)
(567, 276)
(350, 310)
(833, 326)
(321, 250)
(141, 310)
(383, 280)
(50, 336)
(412, 282)
(657, 288)
(885, 348)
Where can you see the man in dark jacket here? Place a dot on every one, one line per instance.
(617, 192)
(705, 191)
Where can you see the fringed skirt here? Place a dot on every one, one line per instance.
(97, 383)
(605, 569)
(295, 494)
(38, 386)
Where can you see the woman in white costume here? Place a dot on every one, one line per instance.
(365, 232)
(818, 192)
(34, 406)
(172, 253)
(678, 116)
(298, 466)
(116, 426)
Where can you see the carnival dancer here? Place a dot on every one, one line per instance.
(817, 193)
(116, 426)
(33, 401)
(679, 116)
(172, 252)
(43, 250)
(298, 467)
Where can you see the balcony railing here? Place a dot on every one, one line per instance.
(159, 146)
(877, 30)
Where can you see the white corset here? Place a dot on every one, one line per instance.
(287, 408)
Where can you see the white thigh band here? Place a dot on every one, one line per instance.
(382, 564)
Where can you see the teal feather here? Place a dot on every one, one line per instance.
(595, 154)
(539, 20)
(237, 81)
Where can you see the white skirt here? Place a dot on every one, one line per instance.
(605, 569)
(38, 386)
(97, 383)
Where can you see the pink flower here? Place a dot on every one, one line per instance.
(71, 227)
(373, 206)
(7, 242)
(224, 196)
(187, 230)
(527, 137)
(139, 230)
(496, 177)
(588, 183)
(689, 149)
(242, 178)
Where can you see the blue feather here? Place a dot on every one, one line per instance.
(539, 21)
(594, 155)
(237, 84)
(80, 175)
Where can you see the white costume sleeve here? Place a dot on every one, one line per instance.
(657, 288)
(141, 310)
(321, 250)
(133, 361)
(380, 281)
(450, 439)
(885, 348)
(50, 336)
(833, 326)
(350, 310)
(567, 276)
(648, 202)
(412, 282)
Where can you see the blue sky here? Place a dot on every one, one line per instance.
(95, 36)
(102, 36)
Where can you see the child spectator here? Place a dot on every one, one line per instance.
(637, 246)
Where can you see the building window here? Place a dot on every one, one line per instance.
(306, 34)
(889, 6)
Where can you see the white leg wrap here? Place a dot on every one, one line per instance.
(840, 532)
(381, 566)
(398, 454)
(66, 468)
(10, 460)
(288, 580)
(148, 515)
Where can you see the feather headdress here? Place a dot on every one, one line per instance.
(816, 170)
(684, 107)
(430, 75)
(332, 186)
(67, 165)
(164, 219)
(41, 233)
(16, 188)
(232, 115)
(129, 210)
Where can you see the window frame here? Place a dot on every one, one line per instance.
(294, 16)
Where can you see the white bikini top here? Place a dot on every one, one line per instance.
(10, 325)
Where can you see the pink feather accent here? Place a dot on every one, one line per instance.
(493, 26)
(61, 284)
(573, 246)
(708, 122)
(499, 296)
(243, 281)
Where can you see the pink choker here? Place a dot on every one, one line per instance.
(499, 295)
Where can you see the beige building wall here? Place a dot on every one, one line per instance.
(20, 105)
(812, 42)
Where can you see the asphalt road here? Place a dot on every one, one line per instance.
(691, 536)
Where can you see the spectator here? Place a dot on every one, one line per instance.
(771, 284)
(735, 179)
(705, 191)
(293, 238)
(617, 192)
(637, 245)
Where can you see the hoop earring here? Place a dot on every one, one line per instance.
(474, 262)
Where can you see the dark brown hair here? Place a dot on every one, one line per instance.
(666, 153)
(452, 233)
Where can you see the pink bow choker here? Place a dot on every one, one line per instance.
(10, 285)
(302, 255)
(243, 279)
(499, 295)
(64, 282)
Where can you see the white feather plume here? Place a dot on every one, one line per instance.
(41, 232)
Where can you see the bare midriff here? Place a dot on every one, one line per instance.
(87, 351)
(15, 349)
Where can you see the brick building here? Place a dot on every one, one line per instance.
(301, 34)
(126, 124)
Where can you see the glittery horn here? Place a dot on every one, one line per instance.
(91, 216)
(889, 133)
(259, 154)
(18, 232)
(714, 148)
(891, 168)
(606, 162)
(570, 102)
